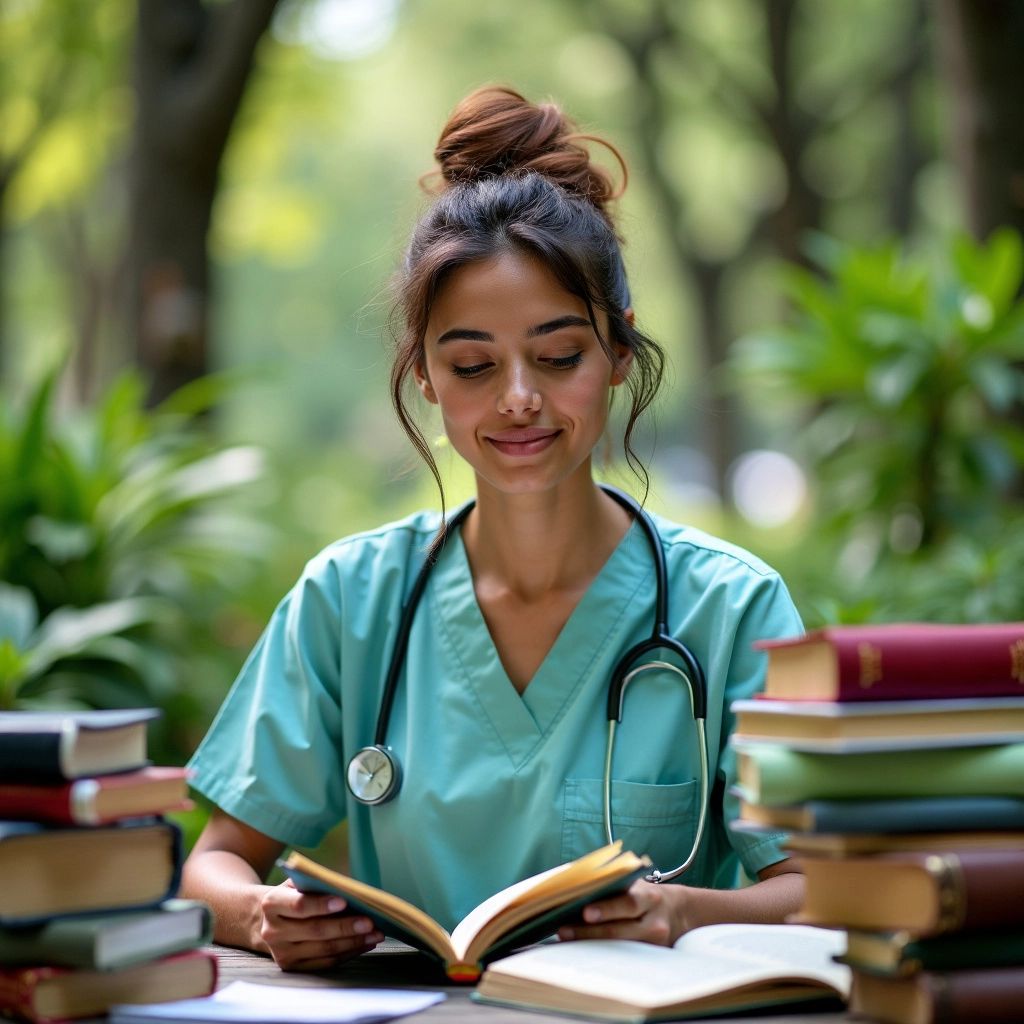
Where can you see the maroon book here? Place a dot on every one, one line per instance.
(99, 800)
(974, 996)
(897, 661)
(48, 995)
(925, 892)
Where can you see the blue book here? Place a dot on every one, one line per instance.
(914, 814)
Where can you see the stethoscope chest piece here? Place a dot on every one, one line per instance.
(374, 775)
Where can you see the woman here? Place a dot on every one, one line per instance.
(517, 325)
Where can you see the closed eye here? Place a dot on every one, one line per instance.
(471, 371)
(565, 362)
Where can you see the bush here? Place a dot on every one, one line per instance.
(120, 540)
(909, 371)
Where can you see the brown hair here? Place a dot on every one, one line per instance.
(514, 175)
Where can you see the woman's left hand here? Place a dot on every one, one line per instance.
(645, 913)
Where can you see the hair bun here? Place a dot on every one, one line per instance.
(495, 130)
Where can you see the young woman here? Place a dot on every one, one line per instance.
(489, 762)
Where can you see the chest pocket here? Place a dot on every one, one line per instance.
(657, 820)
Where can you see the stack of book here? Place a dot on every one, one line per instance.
(894, 757)
(89, 868)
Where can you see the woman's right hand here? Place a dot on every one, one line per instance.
(308, 932)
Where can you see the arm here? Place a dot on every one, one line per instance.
(661, 913)
(300, 931)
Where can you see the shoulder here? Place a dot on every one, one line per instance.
(724, 582)
(696, 551)
(375, 558)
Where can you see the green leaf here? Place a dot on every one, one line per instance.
(59, 541)
(18, 615)
(70, 631)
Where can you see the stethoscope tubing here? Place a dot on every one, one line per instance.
(626, 669)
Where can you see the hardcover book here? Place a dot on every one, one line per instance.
(714, 970)
(99, 800)
(921, 892)
(109, 941)
(914, 814)
(901, 953)
(525, 912)
(47, 995)
(774, 775)
(978, 996)
(831, 726)
(54, 871)
(49, 747)
(897, 661)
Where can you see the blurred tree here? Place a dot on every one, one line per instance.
(54, 59)
(981, 46)
(192, 63)
(762, 96)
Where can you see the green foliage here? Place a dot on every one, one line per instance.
(118, 546)
(910, 373)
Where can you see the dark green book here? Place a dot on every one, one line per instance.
(109, 941)
(901, 953)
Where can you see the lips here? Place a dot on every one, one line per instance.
(522, 441)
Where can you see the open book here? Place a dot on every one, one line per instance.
(523, 913)
(720, 968)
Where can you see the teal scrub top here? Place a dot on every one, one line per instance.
(495, 786)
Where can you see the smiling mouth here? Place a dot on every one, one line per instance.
(523, 442)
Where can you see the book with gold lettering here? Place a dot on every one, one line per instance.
(897, 661)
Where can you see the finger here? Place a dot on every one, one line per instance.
(617, 908)
(277, 931)
(316, 954)
(653, 929)
(292, 903)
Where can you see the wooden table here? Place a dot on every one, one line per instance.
(393, 965)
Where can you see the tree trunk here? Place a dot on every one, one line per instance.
(981, 42)
(192, 62)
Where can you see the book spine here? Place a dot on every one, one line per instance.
(982, 889)
(17, 992)
(964, 950)
(789, 777)
(31, 757)
(893, 663)
(923, 814)
(975, 996)
(52, 804)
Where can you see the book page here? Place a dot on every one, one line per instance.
(808, 949)
(521, 893)
(464, 932)
(247, 1003)
(651, 977)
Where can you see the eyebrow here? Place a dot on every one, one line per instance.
(467, 334)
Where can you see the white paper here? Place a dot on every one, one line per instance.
(243, 1001)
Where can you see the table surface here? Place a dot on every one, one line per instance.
(393, 965)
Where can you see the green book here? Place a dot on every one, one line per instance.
(109, 941)
(771, 775)
(901, 953)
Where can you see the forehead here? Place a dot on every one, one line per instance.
(509, 284)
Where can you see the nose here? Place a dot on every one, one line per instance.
(518, 394)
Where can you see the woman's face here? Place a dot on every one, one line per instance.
(518, 373)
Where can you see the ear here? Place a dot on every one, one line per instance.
(419, 372)
(623, 353)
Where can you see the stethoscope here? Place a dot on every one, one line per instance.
(374, 775)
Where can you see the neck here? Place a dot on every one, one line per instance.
(537, 544)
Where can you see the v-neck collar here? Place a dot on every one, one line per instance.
(597, 621)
